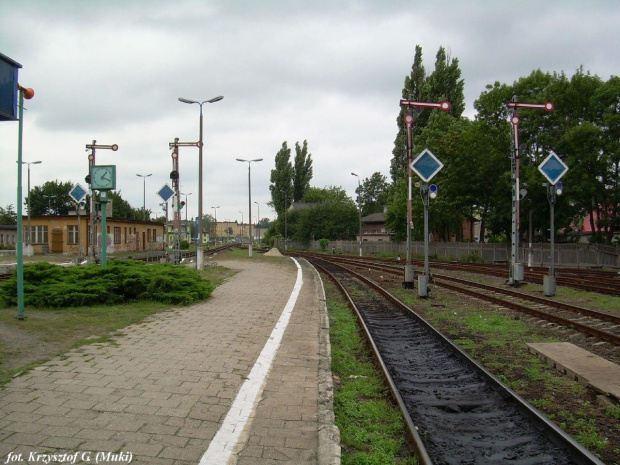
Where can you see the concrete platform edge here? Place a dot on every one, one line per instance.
(329, 451)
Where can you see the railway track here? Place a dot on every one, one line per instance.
(455, 410)
(601, 325)
(604, 282)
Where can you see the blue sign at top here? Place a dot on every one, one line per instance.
(8, 88)
(166, 193)
(553, 168)
(426, 165)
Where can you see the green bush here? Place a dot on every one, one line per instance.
(473, 257)
(184, 245)
(323, 243)
(121, 281)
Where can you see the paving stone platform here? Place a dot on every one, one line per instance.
(160, 392)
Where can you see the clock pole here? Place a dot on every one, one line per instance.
(103, 197)
(91, 162)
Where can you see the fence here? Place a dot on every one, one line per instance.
(567, 255)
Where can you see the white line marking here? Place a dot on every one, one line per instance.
(223, 444)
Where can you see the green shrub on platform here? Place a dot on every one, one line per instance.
(121, 281)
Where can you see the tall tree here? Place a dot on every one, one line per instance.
(52, 198)
(373, 194)
(122, 209)
(412, 90)
(8, 216)
(281, 186)
(302, 171)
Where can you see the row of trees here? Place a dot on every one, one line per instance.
(475, 184)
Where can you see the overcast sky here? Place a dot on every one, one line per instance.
(330, 72)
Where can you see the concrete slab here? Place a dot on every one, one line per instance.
(585, 367)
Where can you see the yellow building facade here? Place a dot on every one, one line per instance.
(65, 234)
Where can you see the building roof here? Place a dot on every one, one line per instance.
(374, 218)
(301, 206)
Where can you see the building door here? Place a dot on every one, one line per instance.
(143, 240)
(57, 241)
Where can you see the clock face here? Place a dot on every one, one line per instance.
(103, 177)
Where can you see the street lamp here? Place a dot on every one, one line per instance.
(49, 202)
(359, 206)
(144, 176)
(199, 251)
(186, 208)
(249, 162)
(215, 212)
(258, 221)
(29, 235)
(285, 230)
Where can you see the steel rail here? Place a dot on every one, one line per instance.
(580, 454)
(411, 429)
(586, 329)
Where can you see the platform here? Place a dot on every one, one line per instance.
(587, 368)
(242, 378)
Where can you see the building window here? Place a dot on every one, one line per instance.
(125, 234)
(117, 234)
(148, 235)
(39, 234)
(72, 235)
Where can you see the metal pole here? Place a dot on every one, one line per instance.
(285, 230)
(552, 232)
(359, 208)
(249, 210)
(258, 222)
(409, 273)
(93, 227)
(20, 239)
(103, 195)
(425, 201)
(199, 251)
(29, 230)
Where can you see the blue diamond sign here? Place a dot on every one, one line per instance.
(426, 165)
(553, 168)
(165, 192)
(77, 193)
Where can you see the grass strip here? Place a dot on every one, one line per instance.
(372, 431)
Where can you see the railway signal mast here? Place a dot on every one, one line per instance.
(176, 201)
(516, 272)
(415, 107)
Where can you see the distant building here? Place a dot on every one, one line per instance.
(373, 229)
(8, 235)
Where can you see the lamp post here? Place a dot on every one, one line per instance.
(29, 235)
(215, 212)
(144, 176)
(49, 202)
(359, 206)
(258, 222)
(26, 93)
(285, 228)
(199, 251)
(249, 162)
(186, 208)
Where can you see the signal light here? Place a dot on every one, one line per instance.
(432, 191)
(559, 188)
